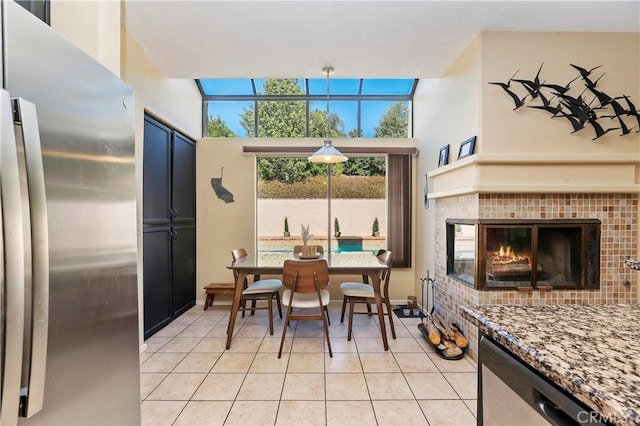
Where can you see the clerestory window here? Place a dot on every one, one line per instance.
(296, 108)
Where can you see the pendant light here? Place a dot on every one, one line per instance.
(328, 153)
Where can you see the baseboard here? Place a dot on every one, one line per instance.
(143, 347)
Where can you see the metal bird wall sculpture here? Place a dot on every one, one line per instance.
(557, 101)
(517, 100)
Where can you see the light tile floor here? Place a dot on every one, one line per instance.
(188, 378)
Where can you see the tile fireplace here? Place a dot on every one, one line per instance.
(593, 233)
(493, 254)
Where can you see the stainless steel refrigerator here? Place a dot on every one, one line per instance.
(68, 293)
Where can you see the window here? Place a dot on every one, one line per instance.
(367, 193)
(295, 190)
(370, 108)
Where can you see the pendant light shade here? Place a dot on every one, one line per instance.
(328, 153)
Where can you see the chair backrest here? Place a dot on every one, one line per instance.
(238, 253)
(305, 276)
(319, 248)
(235, 255)
(385, 257)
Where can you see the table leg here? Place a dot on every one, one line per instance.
(242, 274)
(375, 280)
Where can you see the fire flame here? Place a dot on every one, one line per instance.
(506, 255)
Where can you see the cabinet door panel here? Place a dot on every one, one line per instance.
(156, 172)
(157, 279)
(183, 268)
(183, 179)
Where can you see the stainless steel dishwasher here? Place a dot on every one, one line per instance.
(511, 393)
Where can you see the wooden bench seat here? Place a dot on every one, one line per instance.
(217, 288)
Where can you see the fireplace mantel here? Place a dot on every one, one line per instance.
(482, 173)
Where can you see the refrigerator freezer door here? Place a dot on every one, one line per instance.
(13, 271)
(86, 123)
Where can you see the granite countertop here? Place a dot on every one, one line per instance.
(593, 352)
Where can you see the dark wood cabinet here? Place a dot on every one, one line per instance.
(157, 279)
(183, 176)
(169, 225)
(156, 173)
(183, 272)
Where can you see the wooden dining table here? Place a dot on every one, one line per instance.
(344, 263)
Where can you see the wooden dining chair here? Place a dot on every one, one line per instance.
(268, 290)
(363, 293)
(297, 250)
(305, 283)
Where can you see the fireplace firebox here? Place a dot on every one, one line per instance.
(524, 254)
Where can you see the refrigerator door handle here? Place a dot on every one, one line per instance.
(13, 266)
(26, 126)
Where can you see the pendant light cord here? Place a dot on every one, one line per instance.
(328, 129)
(328, 114)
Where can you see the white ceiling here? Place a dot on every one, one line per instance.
(384, 39)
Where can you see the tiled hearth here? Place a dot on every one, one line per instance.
(617, 213)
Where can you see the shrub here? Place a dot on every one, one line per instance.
(351, 187)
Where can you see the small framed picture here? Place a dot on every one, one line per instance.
(443, 159)
(467, 147)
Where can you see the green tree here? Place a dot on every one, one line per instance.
(365, 166)
(287, 119)
(277, 119)
(287, 170)
(394, 123)
(216, 127)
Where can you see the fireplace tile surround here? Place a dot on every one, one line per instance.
(617, 213)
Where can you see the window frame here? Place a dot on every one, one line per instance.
(358, 98)
(399, 177)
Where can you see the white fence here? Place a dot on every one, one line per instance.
(355, 216)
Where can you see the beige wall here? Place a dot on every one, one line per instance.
(94, 26)
(446, 111)
(527, 151)
(528, 131)
(222, 226)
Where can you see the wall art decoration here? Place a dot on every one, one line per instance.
(467, 147)
(221, 192)
(580, 101)
(443, 158)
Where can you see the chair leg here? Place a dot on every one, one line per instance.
(270, 307)
(326, 310)
(390, 314)
(351, 306)
(326, 329)
(276, 295)
(243, 303)
(284, 330)
(344, 306)
(369, 309)
(253, 306)
(209, 301)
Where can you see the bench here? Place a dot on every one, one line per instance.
(217, 288)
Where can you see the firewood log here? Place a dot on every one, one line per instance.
(433, 332)
(459, 338)
(446, 332)
(448, 344)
